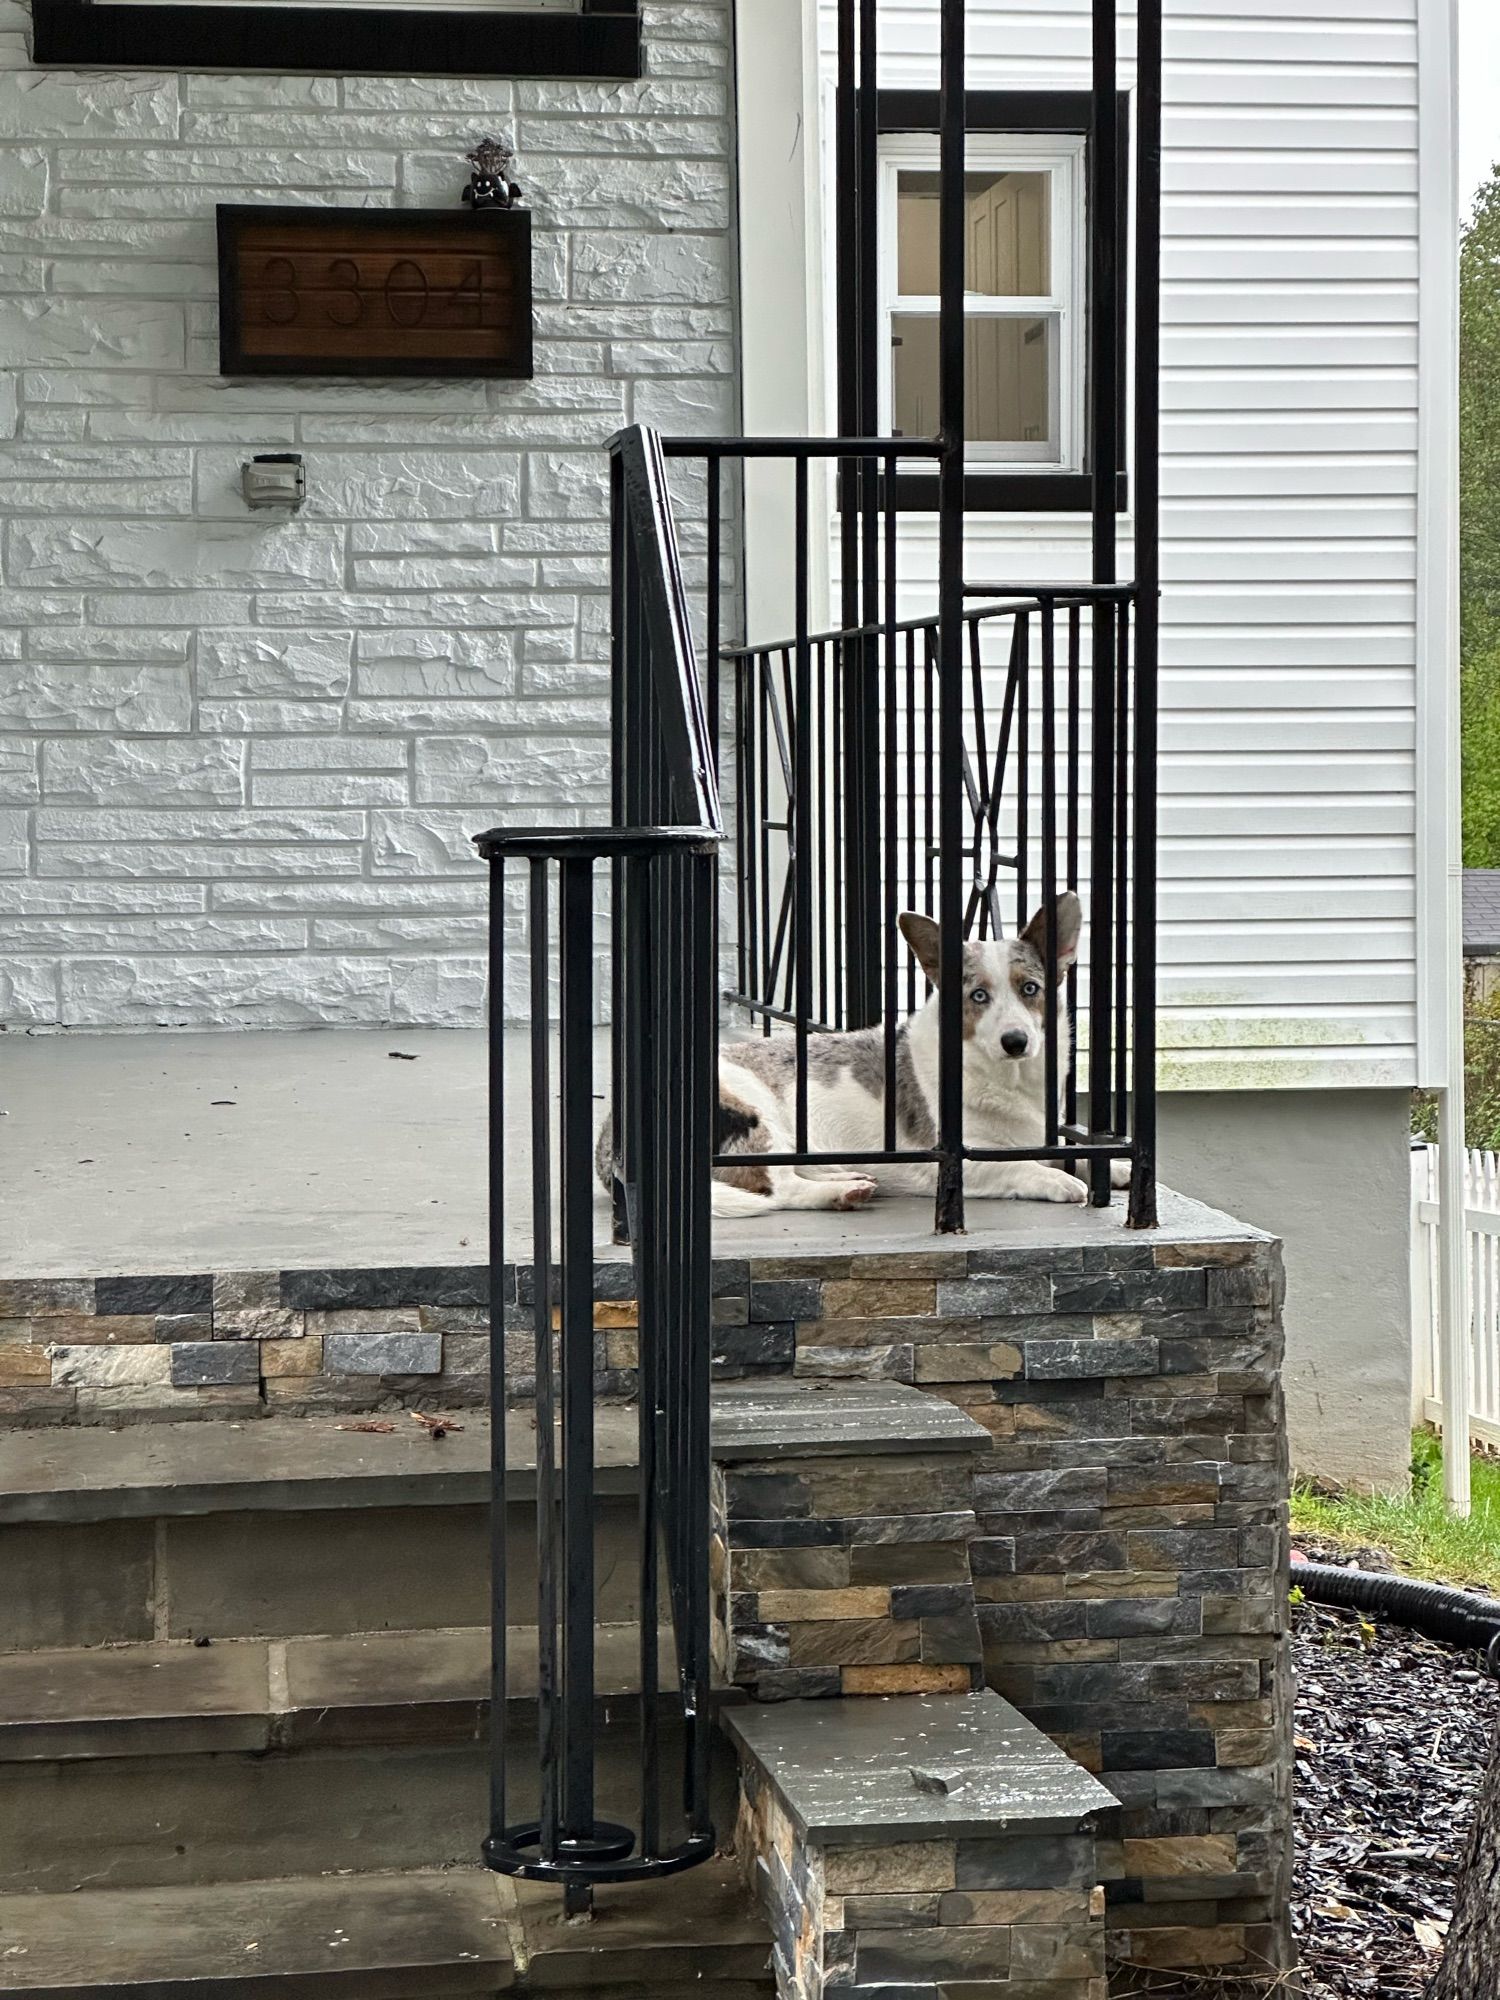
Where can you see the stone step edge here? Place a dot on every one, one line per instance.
(387, 1936)
(277, 1464)
(925, 1845)
(442, 1932)
(286, 1695)
(865, 1770)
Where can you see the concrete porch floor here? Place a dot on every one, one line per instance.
(181, 1152)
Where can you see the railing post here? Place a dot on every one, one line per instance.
(951, 247)
(1142, 1208)
(499, 1611)
(548, 1676)
(576, 1336)
(621, 612)
(1104, 450)
(700, 872)
(858, 878)
(802, 811)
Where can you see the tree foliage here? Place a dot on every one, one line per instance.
(1481, 1076)
(1479, 523)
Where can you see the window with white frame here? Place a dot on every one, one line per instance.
(1024, 281)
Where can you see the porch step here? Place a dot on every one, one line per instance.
(925, 1846)
(360, 1937)
(300, 1464)
(423, 1935)
(283, 1527)
(293, 1694)
(193, 1765)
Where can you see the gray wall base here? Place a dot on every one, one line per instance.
(1327, 1171)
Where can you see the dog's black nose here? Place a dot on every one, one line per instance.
(1013, 1041)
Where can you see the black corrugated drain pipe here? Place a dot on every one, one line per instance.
(1457, 1617)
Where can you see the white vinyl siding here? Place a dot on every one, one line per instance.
(1289, 479)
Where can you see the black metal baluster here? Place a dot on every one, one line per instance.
(700, 871)
(576, 1100)
(827, 1003)
(1142, 1209)
(987, 787)
(1023, 770)
(499, 1611)
(744, 847)
(1049, 859)
(802, 803)
(1075, 639)
(951, 248)
(713, 605)
(914, 771)
(1104, 459)
(548, 1674)
(645, 1169)
(840, 1017)
(890, 782)
(622, 698)
(1121, 1119)
(767, 982)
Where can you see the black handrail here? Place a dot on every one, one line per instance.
(891, 751)
(662, 861)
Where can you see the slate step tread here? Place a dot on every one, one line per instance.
(359, 1937)
(277, 1464)
(418, 1935)
(281, 1694)
(916, 1767)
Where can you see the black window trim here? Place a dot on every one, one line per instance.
(1060, 111)
(603, 39)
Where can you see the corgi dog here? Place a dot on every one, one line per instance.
(1004, 1086)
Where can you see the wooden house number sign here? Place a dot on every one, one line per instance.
(353, 291)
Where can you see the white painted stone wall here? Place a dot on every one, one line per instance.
(241, 756)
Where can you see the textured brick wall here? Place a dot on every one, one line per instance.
(240, 756)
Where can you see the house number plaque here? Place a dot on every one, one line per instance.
(349, 291)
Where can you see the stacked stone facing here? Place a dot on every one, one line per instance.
(847, 1577)
(1121, 1548)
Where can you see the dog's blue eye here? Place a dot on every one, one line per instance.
(1030, 989)
(980, 996)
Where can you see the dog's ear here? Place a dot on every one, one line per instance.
(925, 939)
(1067, 922)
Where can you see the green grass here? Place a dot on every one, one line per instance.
(1415, 1530)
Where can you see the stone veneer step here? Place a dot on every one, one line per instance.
(361, 1936)
(923, 1845)
(178, 1698)
(915, 1767)
(305, 1463)
(410, 1936)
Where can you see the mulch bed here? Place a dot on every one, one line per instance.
(1393, 1734)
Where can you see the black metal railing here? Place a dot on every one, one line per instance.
(996, 752)
(657, 865)
(993, 752)
(1018, 770)
(1042, 794)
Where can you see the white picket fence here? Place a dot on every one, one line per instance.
(1482, 1261)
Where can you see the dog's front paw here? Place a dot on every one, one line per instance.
(1035, 1182)
(855, 1193)
(1119, 1173)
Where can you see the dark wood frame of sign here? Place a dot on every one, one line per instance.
(602, 39)
(374, 291)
